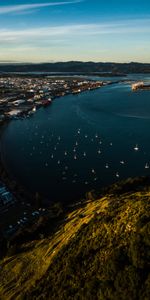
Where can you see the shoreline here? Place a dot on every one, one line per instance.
(22, 111)
(21, 193)
(35, 99)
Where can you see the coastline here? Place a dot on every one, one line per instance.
(4, 176)
(21, 193)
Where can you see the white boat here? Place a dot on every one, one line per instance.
(146, 166)
(34, 109)
(95, 179)
(136, 148)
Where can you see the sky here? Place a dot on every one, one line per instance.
(81, 30)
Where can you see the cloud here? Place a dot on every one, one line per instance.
(75, 31)
(6, 9)
(109, 40)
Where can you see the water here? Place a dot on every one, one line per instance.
(81, 142)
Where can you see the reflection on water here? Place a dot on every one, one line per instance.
(81, 142)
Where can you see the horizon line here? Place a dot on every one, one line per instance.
(69, 61)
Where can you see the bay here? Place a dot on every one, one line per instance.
(81, 142)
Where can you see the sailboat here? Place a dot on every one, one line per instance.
(146, 166)
(136, 148)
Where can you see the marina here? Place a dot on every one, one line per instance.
(20, 97)
(80, 143)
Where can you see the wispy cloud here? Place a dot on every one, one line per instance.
(6, 9)
(70, 31)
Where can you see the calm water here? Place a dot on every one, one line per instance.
(80, 142)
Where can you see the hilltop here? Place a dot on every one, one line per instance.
(78, 67)
(101, 250)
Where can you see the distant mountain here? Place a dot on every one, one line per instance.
(100, 251)
(77, 66)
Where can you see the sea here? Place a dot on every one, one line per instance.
(81, 142)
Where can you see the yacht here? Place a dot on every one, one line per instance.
(147, 166)
(34, 109)
(136, 148)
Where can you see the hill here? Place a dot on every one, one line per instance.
(100, 251)
(78, 67)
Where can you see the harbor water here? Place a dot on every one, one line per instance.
(80, 142)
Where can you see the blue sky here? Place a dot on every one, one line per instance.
(62, 30)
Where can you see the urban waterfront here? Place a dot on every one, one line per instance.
(81, 142)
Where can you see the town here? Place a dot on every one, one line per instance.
(21, 96)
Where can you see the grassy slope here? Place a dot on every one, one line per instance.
(102, 251)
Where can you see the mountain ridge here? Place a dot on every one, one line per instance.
(77, 66)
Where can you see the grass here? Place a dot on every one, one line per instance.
(99, 251)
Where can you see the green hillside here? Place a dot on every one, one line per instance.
(101, 251)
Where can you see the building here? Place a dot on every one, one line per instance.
(137, 85)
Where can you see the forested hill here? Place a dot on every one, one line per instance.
(101, 251)
(77, 66)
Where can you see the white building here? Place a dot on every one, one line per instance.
(137, 85)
